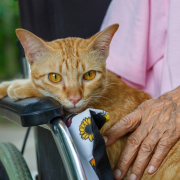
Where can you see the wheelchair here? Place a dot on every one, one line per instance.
(56, 156)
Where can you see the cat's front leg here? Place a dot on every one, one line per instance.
(21, 89)
(3, 88)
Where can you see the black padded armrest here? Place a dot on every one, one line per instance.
(31, 111)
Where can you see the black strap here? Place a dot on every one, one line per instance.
(103, 168)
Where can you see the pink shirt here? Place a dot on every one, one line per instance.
(145, 51)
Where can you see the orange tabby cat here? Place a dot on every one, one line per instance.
(73, 71)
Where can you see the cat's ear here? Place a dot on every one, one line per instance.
(34, 47)
(100, 42)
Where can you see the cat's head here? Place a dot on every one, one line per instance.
(71, 70)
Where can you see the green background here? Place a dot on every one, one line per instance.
(9, 53)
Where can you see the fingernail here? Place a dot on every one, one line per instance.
(151, 169)
(105, 139)
(117, 174)
(132, 177)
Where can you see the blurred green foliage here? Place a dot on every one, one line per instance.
(9, 54)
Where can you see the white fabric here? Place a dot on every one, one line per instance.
(84, 146)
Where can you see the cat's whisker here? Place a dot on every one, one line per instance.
(108, 85)
(93, 103)
(111, 83)
(104, 88)
(99, 91)
(102, 97)
(90, 100)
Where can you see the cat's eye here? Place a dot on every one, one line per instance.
(89, 75)
(55, 78)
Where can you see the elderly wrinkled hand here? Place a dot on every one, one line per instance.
(156, 126)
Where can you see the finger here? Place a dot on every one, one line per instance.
(163, 147)
(145, 153)
(169, 138)
(150, 142)
(127, 124)
(133, 175)
(123, 126)
(131, 149)
(122, 171)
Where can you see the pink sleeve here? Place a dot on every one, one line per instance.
(139, 43)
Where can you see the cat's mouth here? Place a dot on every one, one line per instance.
(75, 109)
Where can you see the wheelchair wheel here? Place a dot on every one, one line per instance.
(12, 164)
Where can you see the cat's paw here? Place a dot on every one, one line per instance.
(12, 90)
(22, 89)
(3, 88)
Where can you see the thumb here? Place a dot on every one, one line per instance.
(127, 124)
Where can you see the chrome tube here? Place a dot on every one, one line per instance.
(26, 67)
(67, 150)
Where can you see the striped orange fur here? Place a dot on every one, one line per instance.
(71, 58)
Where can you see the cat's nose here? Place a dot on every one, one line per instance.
(74, 98)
